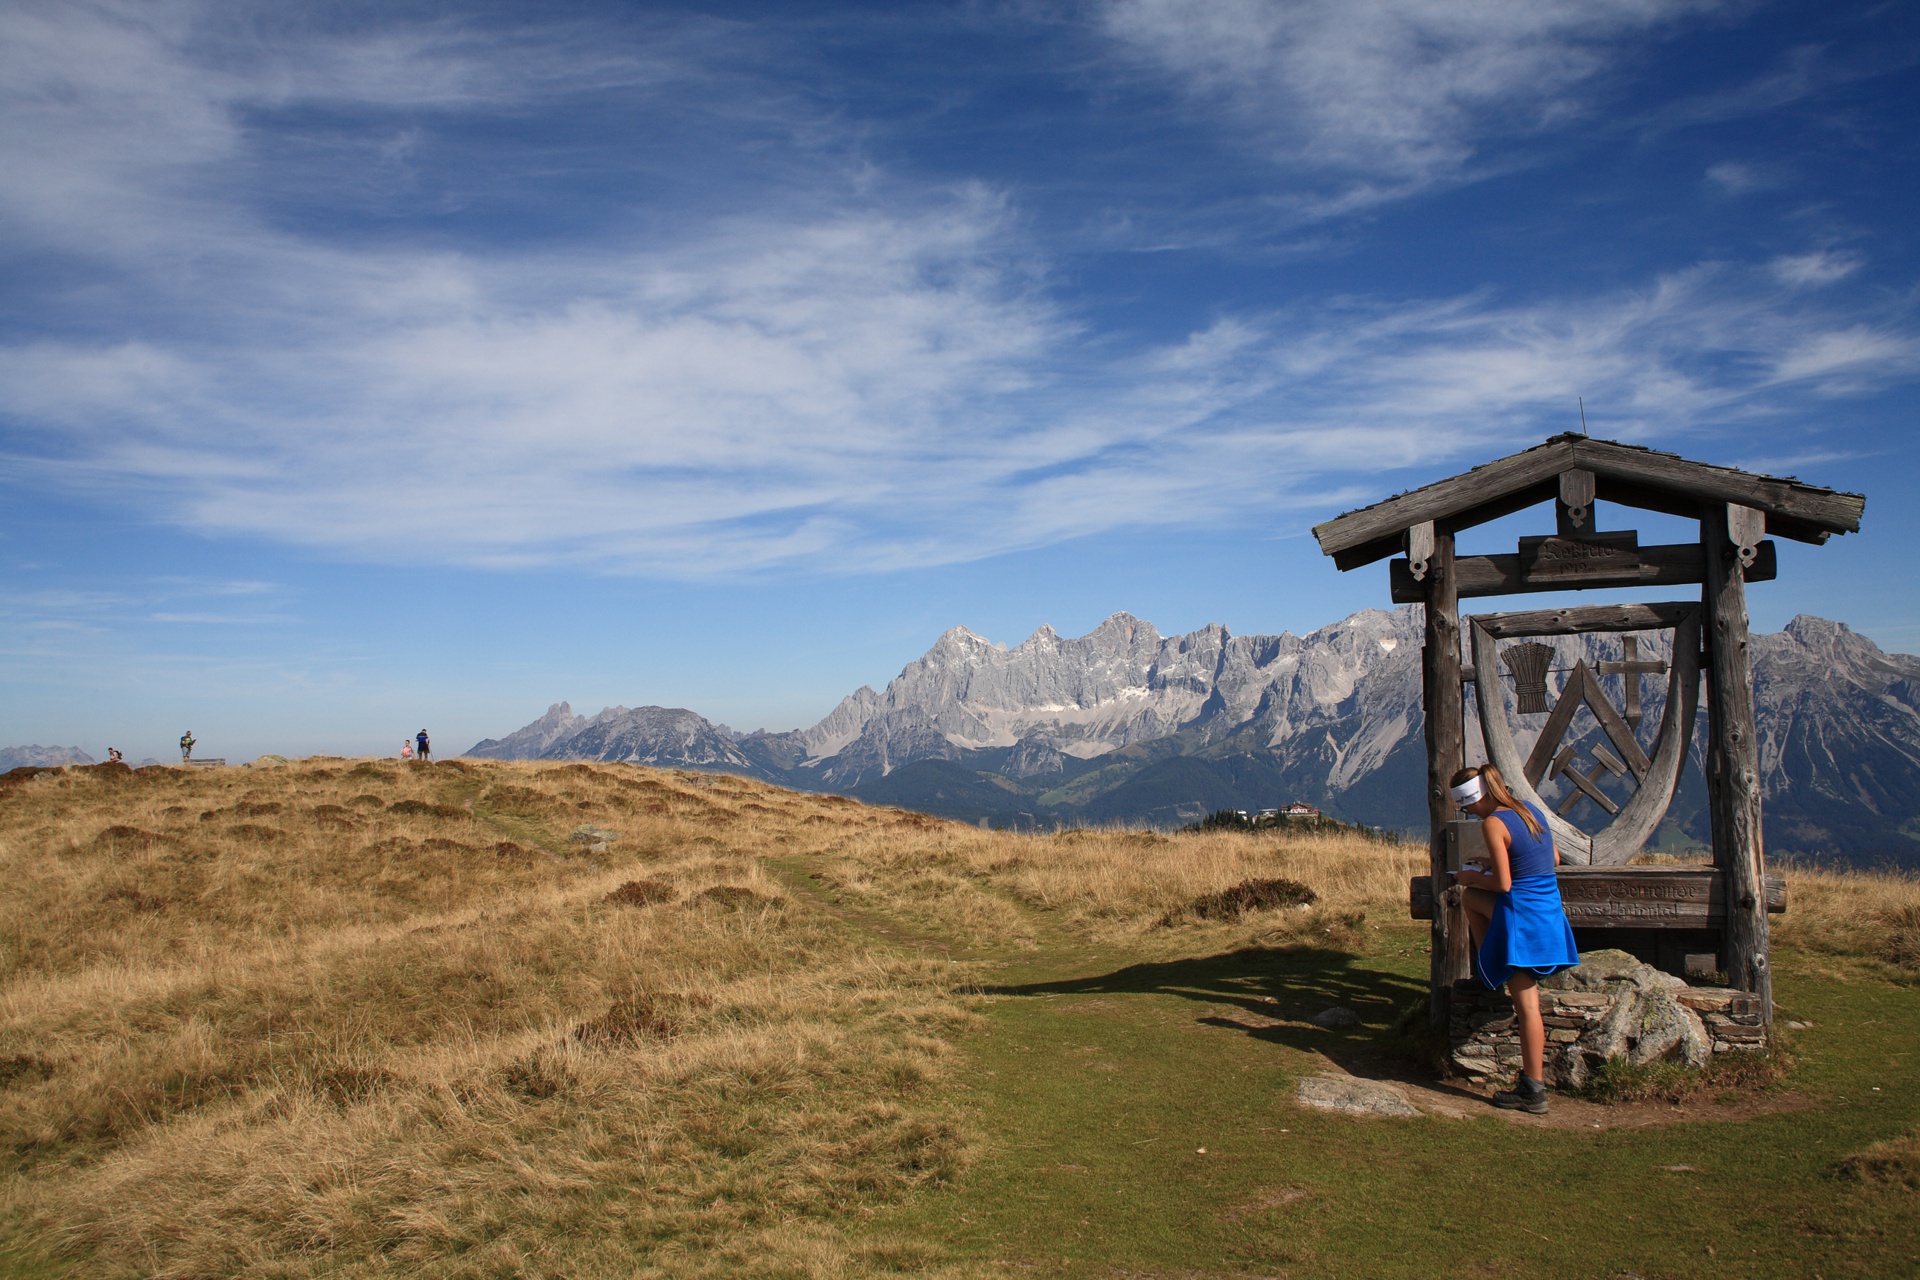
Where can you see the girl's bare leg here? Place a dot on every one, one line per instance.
(1533, 1032)
(1479, 907)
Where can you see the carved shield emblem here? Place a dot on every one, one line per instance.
(1654, 776)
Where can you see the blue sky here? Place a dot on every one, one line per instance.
(378, 366)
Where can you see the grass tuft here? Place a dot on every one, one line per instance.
(1894, 1162)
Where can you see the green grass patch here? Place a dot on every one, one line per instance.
(1099, 1082)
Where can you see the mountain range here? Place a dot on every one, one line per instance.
(1126, 725)
(41, 757)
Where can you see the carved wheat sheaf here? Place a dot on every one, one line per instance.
(1528, 663)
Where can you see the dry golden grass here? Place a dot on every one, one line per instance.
(1860, 914)
(371, 1019)
(328, 1018)
(987, 887)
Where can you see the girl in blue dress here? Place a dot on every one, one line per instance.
(1519, 926)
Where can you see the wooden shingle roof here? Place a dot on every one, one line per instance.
(1628, 474)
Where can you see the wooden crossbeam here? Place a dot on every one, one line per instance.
(1585, 618)
(1664, 565)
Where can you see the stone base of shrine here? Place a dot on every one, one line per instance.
(1612, 1005)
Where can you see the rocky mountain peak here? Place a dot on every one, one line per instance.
(1124, 724)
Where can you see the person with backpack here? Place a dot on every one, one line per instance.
(1518, 924)
(423, 747)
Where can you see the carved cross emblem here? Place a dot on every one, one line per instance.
(1631, 668)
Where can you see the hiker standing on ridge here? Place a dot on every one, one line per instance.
(423, 747)
(186, 746)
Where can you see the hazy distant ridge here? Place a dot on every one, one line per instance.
(41, 757)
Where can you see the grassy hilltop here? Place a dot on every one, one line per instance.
(344, 1018)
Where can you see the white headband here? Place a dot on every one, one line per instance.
(1469, 792)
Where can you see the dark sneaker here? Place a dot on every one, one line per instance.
(1527, 1095)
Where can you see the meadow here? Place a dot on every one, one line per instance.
(360, 1018)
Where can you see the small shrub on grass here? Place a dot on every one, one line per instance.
(640, 1017)
(1729, 1077)
(1248, 895)
(733, 897)
(1902, 943)
(1620, 1081)
(423, 808)
(538, 1076)
(1892, 1163)
(641, 893)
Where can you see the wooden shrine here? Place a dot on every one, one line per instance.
(1663, 914)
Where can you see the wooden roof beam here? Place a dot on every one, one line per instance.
(1795, 503)
(1628, 475)
(1442, 501)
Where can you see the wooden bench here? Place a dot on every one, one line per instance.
(1674, 917)
(1633, 897)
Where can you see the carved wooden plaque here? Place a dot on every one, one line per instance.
(1576, 561)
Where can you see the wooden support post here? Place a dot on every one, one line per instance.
(1446, 749)
(1728, 532)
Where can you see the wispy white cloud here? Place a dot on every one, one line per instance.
(1822, 266)
(864, 379)
(1387, 95)
(1738, 178)
(870, 393)
(1842, 361)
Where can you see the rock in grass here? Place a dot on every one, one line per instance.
(587, 833)
(1356, 1097)
(1335, 1017)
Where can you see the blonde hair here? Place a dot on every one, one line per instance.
(1497, 788)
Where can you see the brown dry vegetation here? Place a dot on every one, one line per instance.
(328, 1018)
(1117, 885)
(1873, 916)
(367, 1019)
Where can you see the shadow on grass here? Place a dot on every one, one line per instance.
(1273, 995)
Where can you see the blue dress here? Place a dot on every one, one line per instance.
(1529, 930)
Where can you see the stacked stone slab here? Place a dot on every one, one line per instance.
(1610, 1006)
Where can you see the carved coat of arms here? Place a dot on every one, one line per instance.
(1654, 777)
